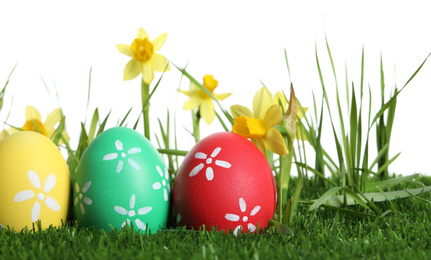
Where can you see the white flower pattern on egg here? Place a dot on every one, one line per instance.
(80, 196)
(41, 194)
(122, 155)
(235, 218)
(165, 182)
(132, 213)
(209, 172)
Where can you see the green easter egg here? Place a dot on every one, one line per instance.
(121, 180)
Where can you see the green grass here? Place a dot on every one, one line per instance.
(319, 234)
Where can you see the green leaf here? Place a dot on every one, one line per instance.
(389, 103)
(321, 175)
(371, 186)
(102, 126)
(83, 141)
(353, 130)
(88, 94)
(125, 117)
(419, 198)
(221, 122)
(137, 121)
(387, 163)
(290, 211)
(392, 205)
(390, 119)
(3, 91)
(58, 132)
(381, 153)
(93, 125)
(283, 229)
(287, 64)
(351, 212)
(324, 198)
(337, 201)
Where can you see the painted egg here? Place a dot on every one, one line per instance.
(225, 181)
(34, 182)
(121, 180)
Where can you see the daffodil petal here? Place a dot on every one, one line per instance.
(125, 49)
(147, 72)
(13, 130)
(221, 96)
(279, 98)
(187, 92)
(261, 145)
(299, 134)
(301, 112)
(132, 69)
(207, 111)
(159, 41)
(4, 134)
(274, 141)
(193, 86)
(238, 110)
(272, 116)
(160, 63)
(192, 103)
(32, 113)
(142, 34)
(66, 136)
(53, 118)
(261, 102)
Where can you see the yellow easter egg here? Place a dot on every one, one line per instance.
(34, 182)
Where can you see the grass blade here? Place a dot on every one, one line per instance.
(372, 186)
(321, 175)
(125, 117)
(337, 201)
(324, 198)
(93, 125)
(102, 126)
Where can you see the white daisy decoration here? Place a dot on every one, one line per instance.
(210, 162)
(164, 183)
(132, 214)
(1, 227)
(243, 217)
(121, 155)
(81, 197)
(39, 193)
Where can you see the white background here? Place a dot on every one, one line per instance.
(239, 42)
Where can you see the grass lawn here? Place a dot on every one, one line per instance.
(320, 234)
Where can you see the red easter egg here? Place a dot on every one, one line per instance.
(225, 181)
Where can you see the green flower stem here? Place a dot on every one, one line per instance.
(196, 129)
(145, 93)
(280, 191)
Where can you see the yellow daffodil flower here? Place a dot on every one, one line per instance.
(33, 122)
(280, 99)
(258, 126)
(144, 60)
(199, 99)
